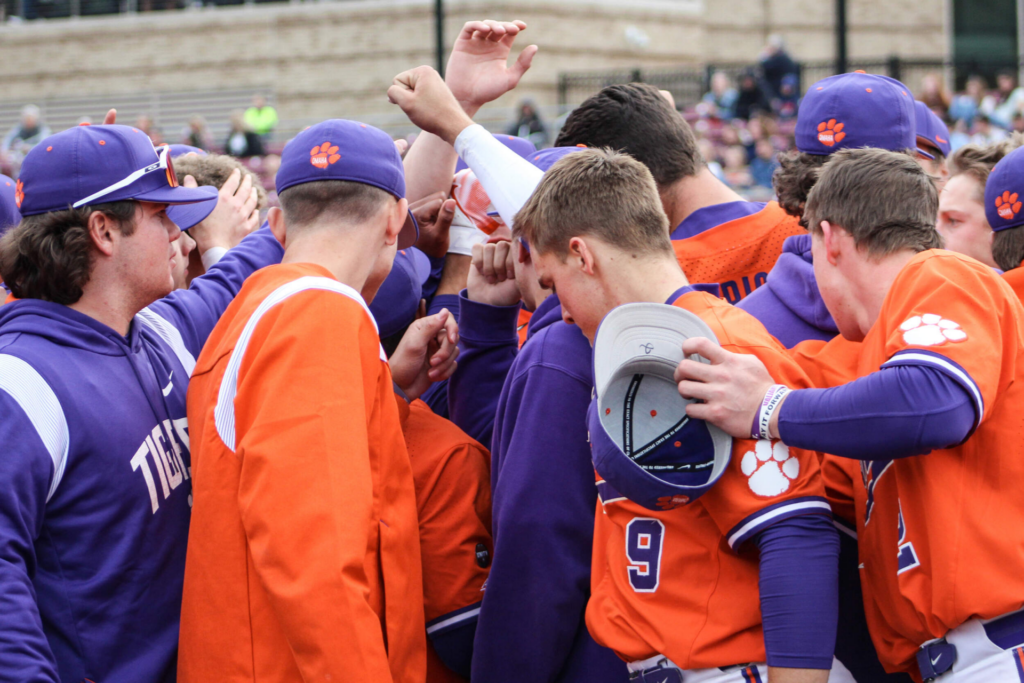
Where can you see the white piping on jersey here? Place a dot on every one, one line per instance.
(453, 620)
(845, 529)
(767, 517)
(949, 367)
(28, 388)
(170, 334)
(224, 411)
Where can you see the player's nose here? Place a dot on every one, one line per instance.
(567, 317)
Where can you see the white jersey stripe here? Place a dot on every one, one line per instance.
(453, 620)
(900, 357)
(170, 334)
(224, 411)
(28, 388)
(765, 519)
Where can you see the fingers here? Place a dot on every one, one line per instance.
(189, 181)
(427, 209)
(445, 216)
(253, 222)
(434, 197)
(245, 187)
(494, 261)
(111, 118)
(694, 370)
(703, 346)
(695, 390)
(250, 203)
(442, 362)
(522, 64)
(230, 186)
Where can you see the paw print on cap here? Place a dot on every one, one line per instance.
(324, 155)
(1007, 205)
(769, 469)
(931, 330)
(830, 132)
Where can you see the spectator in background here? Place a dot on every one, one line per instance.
(776, 64)
(27, 133)
(965, 106)
(261, 118)
(735, 168)
(787, 101)
(1001, 105)
(197, 134)
(529, 125)
(751, 98)
(764, 163)
(710, 154)
(985, 133)
(722, 96)
(242, 141)
(934, 94)
(145, 124)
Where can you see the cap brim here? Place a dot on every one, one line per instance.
(644, 330)
(421, 263)
(926, 155)
(410, 234)
(188, 215)
(178, 195)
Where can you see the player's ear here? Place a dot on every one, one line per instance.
(275, 217)
(579, 249)
(830, 240)
(396, 220)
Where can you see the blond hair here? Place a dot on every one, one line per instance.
(214, 169)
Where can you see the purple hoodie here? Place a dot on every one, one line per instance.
(789, 304)
(531, 626)
(95, 489)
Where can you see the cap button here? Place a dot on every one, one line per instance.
(860, 71)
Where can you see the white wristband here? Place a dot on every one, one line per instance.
(212, 255)
(771, 402)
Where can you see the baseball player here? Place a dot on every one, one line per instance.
(451, 473)
(933, 146)
(938, 377)
(840, 112)
(303, 559)
(1003, 212)
(717, 236)
(95, 492)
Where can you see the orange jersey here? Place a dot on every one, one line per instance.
(681, 583)
(303, 554)
(453, 497)
(523, 325)
(737, 254)
(1015, 278)
(938, 534)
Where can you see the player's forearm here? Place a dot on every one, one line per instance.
(784, 675)
(429, 167)
(508, 178)
(798, 584)
(896, 412)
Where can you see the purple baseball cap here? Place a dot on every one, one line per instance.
(338, 149)
(546, 158)
(932, 129)
(9, 214)
(394, 306)
(1004, 191)
(520, 146)
(98, 164)
(856, 110)
(182, 150)
(644, 445)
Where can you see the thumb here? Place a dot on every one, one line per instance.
(702, 346)
(110, 118)
(400, 94)
(427, 328)
(522, 64)
(445, 215)
(189, 181)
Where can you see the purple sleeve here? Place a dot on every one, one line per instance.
(195, 311)
(799, 585)
(25, 477)
(488, 343)
(898, 411)
(436, 269)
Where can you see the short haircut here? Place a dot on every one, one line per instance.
(977, 161)
(883, 199)
(214, 169)
(354, 202)
(595, 192)
(49, 256)
(636, 119)
(794, 178)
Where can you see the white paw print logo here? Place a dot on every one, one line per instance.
(931, 330)
(769, 468)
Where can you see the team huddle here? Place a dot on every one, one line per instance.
(483, 412)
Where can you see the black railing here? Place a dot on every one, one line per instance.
(688, 83)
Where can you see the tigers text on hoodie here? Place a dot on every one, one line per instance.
(95, 490)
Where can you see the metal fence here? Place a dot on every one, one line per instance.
(689, 83)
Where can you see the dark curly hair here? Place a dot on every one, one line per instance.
(49, 256)
(793, 179)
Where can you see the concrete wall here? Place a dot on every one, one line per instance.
(337, 58)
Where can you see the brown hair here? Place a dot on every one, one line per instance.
(636, 118)
(49, 256)
(595, 192)
(214, 169)
(883, 199)
(794, 178)
(304, 204)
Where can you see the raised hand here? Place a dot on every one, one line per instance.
(477, 70)
(429, 104)
(426, 353)
(234, 217)
(492, 277)
(434, 214)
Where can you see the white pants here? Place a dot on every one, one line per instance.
(753, 673)
(979, 660)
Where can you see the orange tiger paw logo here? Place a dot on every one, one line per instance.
(1007, 205)
(324, 155)
(19, 194)
(830, 132)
